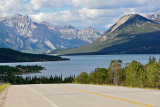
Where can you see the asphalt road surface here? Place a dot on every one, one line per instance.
(76, 95)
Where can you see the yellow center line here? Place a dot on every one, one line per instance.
(116, 98)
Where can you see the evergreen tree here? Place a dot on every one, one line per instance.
(135, 74)
(99, 76)
(153, 75)
(82, 78)
(114, 69)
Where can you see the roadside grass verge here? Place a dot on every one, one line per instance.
(3, 87)
(120, 86)
(132, 87)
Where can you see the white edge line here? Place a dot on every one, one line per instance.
(43, 97)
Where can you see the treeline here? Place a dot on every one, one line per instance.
(12, 75)
(6, 70)
(134, 74)
(9, 55)
(30, 68)
(36, 80)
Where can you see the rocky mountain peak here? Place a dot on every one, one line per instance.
(45, 22)
(90, 28)
(20, 17)
(137, 16)
(17, 15)
(120, 22)
(50, 26)
(138, 19)
(155, 16)
(129, 19)
(3, 18)
(158, 12)
(17, 18)
(21, 33)
(20, 25)
(68, 26)
(92, 31)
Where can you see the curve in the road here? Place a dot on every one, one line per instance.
(116, 98)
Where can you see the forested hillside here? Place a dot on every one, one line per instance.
(9, 55)
(132, 34)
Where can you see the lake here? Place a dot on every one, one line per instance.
(84, 63)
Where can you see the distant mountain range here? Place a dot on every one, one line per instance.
(132, 34)
(155, 17)
(21, 33)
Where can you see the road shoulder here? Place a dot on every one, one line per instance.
(3, 96)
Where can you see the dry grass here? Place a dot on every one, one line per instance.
(3, 87)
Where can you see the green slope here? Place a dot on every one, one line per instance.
(9, 55)
(132, 34)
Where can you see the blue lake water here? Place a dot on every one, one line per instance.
(84, 63)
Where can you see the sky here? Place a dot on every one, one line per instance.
(99, 14)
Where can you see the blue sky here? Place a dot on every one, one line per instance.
(99, 14)
(25, 1)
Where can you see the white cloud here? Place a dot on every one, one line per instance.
(105, 4)
(39, 4)
(10, 7)
(108, 26)
(81, 18)
(82, 13)
(96, 13)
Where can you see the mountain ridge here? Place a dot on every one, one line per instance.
(155, 16)
(136, 32)
(21, 33)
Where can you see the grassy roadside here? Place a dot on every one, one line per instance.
(3, 87)
(121, 86)
(131, 87)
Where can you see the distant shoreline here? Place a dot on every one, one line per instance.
(33, 61)
(10, 56)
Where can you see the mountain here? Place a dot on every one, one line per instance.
(155, 16)
(21, 33)
(132, 34)
(10, 55)
(69, 32)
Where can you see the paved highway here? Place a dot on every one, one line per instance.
(74, 95)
